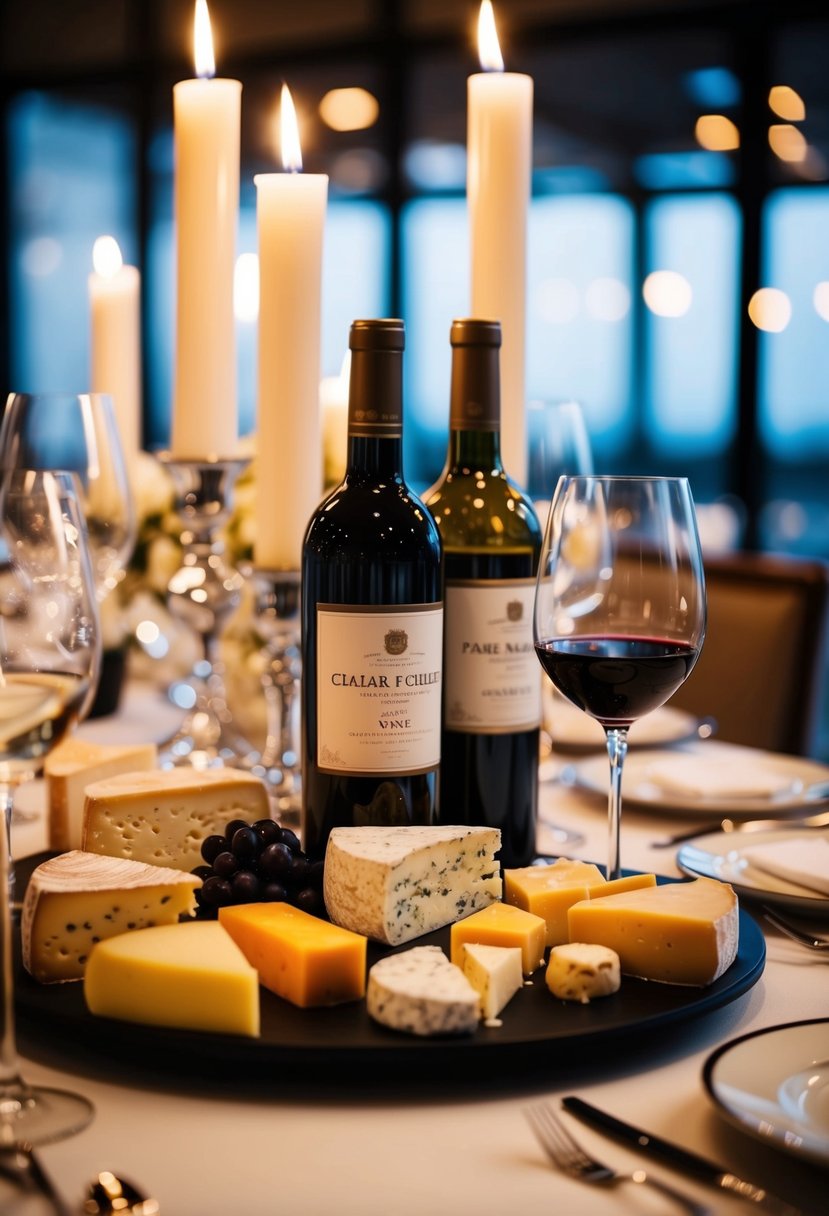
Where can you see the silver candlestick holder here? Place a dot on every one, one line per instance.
(277, 620)
(203, 593)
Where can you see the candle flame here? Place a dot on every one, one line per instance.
(106, 257)
(203, 41)
(489, 50)
(289, 132)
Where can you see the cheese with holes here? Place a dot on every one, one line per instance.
(75, 764)
(188, 976)
(548, 891)
(503, 925)
(395, 884)
(163, 817)
(678, 932)
(581, 971)
(78, 899)
(420, 992)
(301, 958)
(495, 974)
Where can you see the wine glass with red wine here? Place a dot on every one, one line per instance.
(619, 605)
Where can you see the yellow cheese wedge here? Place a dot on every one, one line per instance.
(629, 882)
(188, 976)
(548, 891)
(502, 925)
(77, 899)
(301, 958)
(75, 764)
(679, 933)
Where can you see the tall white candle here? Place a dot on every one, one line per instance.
(334, 407)
(499, 151)
(290, 212)
(207, 123)
(115, 347)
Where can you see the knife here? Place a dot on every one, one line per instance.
(680, 1158)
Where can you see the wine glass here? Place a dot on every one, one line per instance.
(620, 604)
(78, 432)
(558, 443)
(50, 653)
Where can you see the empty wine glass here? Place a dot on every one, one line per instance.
(50, 653)
(620, 605)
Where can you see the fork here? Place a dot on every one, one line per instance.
(570, 1157)
(802, 936)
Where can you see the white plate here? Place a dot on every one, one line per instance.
(720, 855)
(572, 730)
(774, 1084)
(638, 789)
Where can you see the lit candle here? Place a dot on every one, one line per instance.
(499, 149)
(290, 213)
(334, 406)
(115, 349)
(207, 122)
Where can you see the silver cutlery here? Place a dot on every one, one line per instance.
(802, 936)
(571, 1159)
(820, 820)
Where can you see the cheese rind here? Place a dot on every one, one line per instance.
(581, 971)
(71, 767)
(188, 976)
(678, 933)
(495, 974)
(78, 899)
(301, 958)
(420, 992)
(502, 925)
(163, 817)
(395, 884)
(548, 891)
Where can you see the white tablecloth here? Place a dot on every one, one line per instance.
(217, 1148)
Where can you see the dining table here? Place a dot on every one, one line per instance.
(328, 1138)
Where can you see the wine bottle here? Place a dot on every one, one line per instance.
(491, 541)
(372, 620)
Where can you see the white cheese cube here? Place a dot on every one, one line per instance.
(494, 972)
(421, 992)
(579, 971)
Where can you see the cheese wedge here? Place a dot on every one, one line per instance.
(395, 884)
(301, 958)
(548, 891)
(420, 992)
(580, 971)
(495, 974)
(678, 933)
(163, 817)
(502, 925)
(78, 899)
(188, 976)
(75, 764)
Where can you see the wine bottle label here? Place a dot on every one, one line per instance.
(493, 683)
(379, 688)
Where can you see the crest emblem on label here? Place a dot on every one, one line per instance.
(396, 641)
(515, 610)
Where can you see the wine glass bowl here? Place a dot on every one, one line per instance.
(620, 604)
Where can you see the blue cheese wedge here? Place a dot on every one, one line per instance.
(494, 972)
(395, 884)
(420, 992)
(78, 899)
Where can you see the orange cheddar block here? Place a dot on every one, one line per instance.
(549, 891)
(301, 958)
(502, 925)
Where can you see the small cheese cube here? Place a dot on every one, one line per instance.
(678, 932)
(579, 971)
(548, 891)
(77, 899)
(495, 974)
(502, 925)
(71, 767)
(420, 992)
(301, 958)
(188, 976)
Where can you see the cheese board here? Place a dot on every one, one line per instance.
(533, 1026)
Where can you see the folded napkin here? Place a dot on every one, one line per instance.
(800, 859)
(726, 776)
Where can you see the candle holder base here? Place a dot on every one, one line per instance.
(203, 593)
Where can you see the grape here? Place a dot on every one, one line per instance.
(291, 839)
(211, 846)
(225, 865)
(274, 892)
(245, 844)
(309, 899)
(246, 887)
(203, 872)
(216, 893)
(275, 860)
(298, 872)
(268, 830)
(234, 826)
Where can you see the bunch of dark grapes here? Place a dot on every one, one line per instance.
(257, 863)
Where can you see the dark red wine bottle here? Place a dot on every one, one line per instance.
(492, 540)
(372, 620)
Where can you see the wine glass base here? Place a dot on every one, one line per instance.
(36, 1115)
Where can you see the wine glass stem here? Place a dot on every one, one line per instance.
(9, 1063)
(617, 746)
